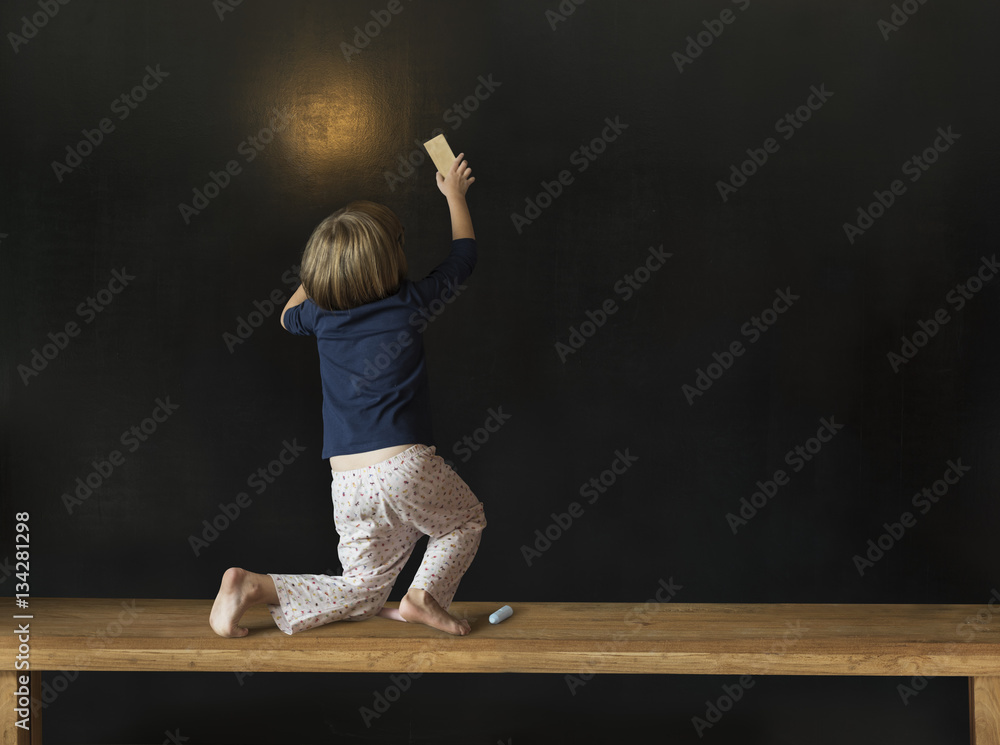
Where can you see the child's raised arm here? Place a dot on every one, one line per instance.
(454, 186)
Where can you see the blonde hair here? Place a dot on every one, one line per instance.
(355, 256)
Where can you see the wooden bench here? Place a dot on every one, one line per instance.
(572, 638)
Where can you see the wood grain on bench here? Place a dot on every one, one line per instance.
(682, 638)
(676, 638)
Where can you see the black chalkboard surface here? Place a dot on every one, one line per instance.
(732, 329)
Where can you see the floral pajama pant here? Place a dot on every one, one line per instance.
(380, 513)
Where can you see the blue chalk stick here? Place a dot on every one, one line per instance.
(501, 614)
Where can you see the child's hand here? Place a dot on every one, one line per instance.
(457, 180)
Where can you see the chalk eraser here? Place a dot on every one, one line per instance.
(501, 614)
(440, 152)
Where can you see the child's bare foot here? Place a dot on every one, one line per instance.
(239, 590)
(417, 606)
(391, 613)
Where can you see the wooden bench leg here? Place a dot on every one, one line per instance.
(984, 710)
(10, 733)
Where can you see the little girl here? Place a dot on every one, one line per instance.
(389, 485)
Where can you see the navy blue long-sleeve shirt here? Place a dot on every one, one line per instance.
(372, 365)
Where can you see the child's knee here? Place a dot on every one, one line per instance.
(478, 519)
